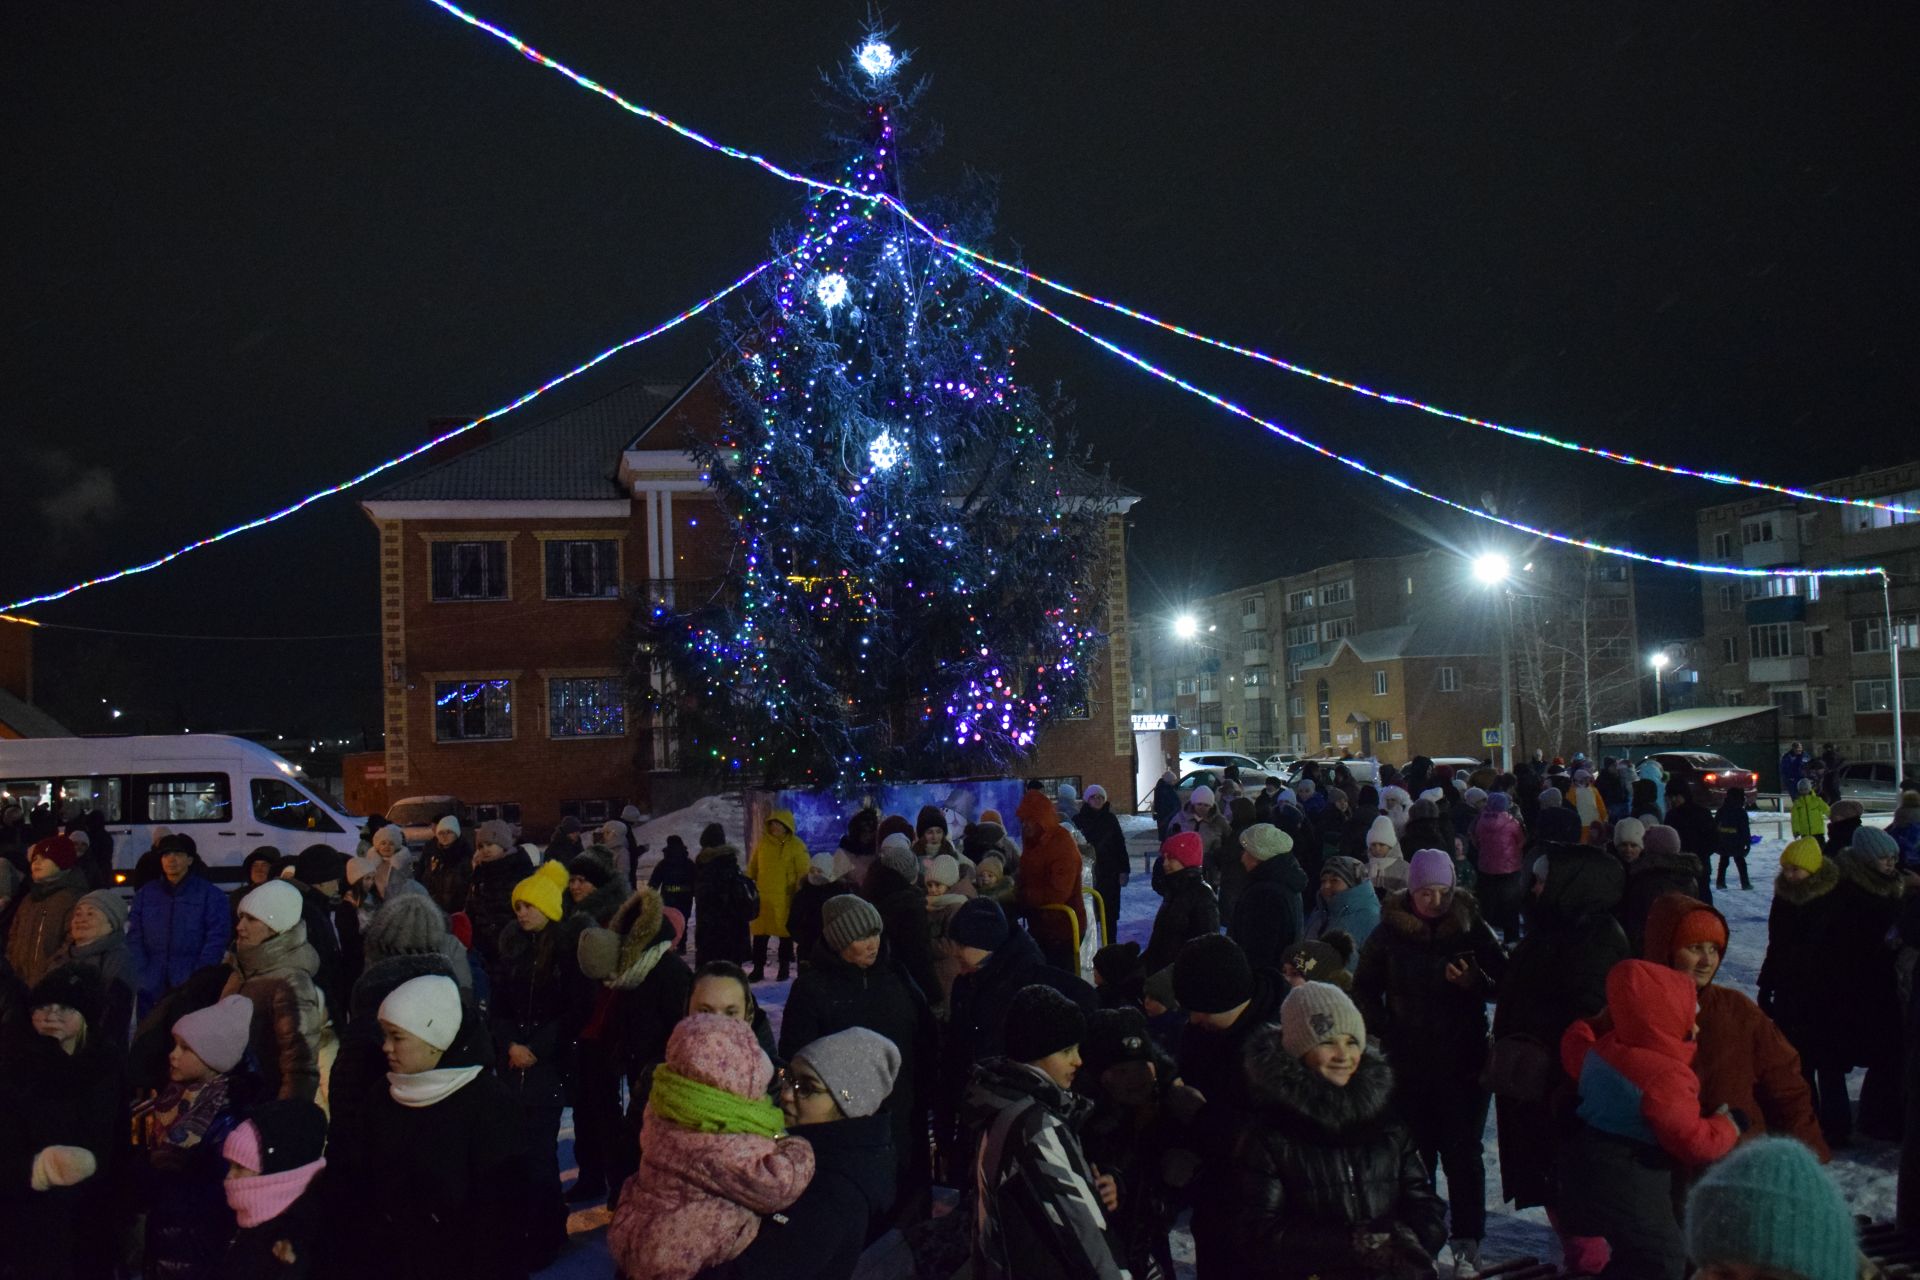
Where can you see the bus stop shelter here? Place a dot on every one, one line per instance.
(1748, 736)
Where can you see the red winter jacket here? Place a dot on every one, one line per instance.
(1637, 1080)
(1050, 868)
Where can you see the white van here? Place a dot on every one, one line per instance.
(229, 794)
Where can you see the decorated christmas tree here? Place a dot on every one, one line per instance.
(915, 590)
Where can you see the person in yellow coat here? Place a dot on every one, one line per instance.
(777, 866)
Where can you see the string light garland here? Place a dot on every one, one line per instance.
(1358, 465)
(515, 403)
(871, 50)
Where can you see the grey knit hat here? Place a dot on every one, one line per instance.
(1264, 840)
(846, 919)
(494, 832)
(114, 907)
(598, 952)
(1313, 1013)
(896, 854)
(858, 1065)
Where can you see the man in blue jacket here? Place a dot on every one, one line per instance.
(179, 923)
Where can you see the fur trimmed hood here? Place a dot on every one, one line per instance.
(717, 852)
(1278, 1081)
(1818, 885)
(638, 923)
(1864, 873)
(1397, 914)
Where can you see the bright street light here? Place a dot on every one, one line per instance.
(1492, 569)
(1186, 626)
(1660, 661)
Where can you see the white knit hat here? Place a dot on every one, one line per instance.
(943, 870)
(449, 824)
(1382, 832)
(426, 1007)
(276, 904)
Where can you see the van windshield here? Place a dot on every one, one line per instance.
(422, 813)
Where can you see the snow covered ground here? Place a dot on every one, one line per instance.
(1865, 1173)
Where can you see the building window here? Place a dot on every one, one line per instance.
(1256, 676)
(1612, 648)
(1820, 704)
(590, 812)
(1449, 680)
(1791, 702)
(1250, 610)
(196, 798)
(1777, 640)
(1769, 587)
(1817, 642)
(1756, 529)
(1867, 519)
(586, 707)
(1337, 592)
(1184, 685)
(1324, 701)
(472, 710)
(1726, 599)
(1730, 649)
(1609, 607)
(1723, 545)
(582, 569)
(1873, 695)
(1336, 628)
(1610, 571)
(1734, 698)
(1302, 633)
(1293, 673)
(1296, 708)
(1383, 731)
(1379, 683)
(1256, 642)
(1870, 633)
(1297, 600)
(469, 570)
(507, 811)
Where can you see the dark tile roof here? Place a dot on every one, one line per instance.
(571, 456)
(28, 720)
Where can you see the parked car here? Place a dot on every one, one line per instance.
(1363, 771)
(1719, 774)
(417, 815)
(1279, 764)
(1469, 763)
(229, 794)
(1872, 783)
(1219, 760)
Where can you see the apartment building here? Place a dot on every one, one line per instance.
(1820, 650)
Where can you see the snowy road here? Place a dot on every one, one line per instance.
(1865, 1172)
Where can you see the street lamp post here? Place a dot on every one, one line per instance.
(1658, 662)
(1492, 570)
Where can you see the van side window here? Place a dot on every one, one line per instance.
(187, 798)
(281, 804)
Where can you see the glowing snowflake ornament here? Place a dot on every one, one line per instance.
(885, 452)
(875, 58)
(831, 290)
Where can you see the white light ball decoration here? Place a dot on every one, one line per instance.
(885, 452)
(875, 58)
(831, 290)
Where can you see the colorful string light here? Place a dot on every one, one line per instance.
(1385, 397)
(410, 454)
(1356, 464)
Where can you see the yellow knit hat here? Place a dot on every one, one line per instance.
(540, 891)
(556, 871)
(1803, 853)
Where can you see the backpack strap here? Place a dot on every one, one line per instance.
(993, 1148)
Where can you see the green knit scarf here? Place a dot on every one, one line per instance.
(705, 1109)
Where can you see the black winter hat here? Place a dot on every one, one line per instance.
(712, 835)
(1041, 1021)
(1211, 975)
(292, 1133)
(178, 842)
(1115, 1036)
(318, 863)
(979, 922)
(593, 866)
(75, 986)
(264, 853)
(1118, 962)
(675, 847)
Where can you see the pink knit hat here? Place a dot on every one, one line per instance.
(218, 1033)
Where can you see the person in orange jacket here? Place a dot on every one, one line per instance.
(1050, 871)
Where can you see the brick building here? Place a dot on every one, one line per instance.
(1818, 649)
(508, 576)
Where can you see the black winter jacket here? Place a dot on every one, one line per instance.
(672, 878)
(1651, 876)
(1036, 1213)
(300, 1229)
(50, 1099)
(539, 1000)
(490, 898)
(447, 873)
(1188, 909)
(1326, 1181)
(1102, 829)
(360, 1066)
(903, 918)
(724, 904)
(821, 1235)
(1269, 918)
(1861, 972)
(1806, 927)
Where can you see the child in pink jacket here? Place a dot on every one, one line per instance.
(714, 1156)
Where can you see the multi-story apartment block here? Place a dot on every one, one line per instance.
(1819, 649)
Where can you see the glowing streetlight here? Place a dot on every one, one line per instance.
(1186, 626)
(1492, 569)
(1659, 662)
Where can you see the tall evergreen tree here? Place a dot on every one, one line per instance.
(916, 590)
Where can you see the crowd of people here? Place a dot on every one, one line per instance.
(355, 1066)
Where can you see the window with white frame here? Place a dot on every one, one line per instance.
(1769, 587)
(1610, 571)
(1185, 685)
(1867, 519)
(472, 710)
(1726, 598)
(1336, 628)
(1379, 682)
(1734, 698)
(474, 570)
(1723, 545)
(1337, 592)
(1383, 731)
(1791, 702)
(1302, 633)
(1293, 673)
(1449, 679)
(1256, 642)
(1777, 640)
(1870, 633)
(1730, 649)
(1820, 704)
(1251, 607)
(582, 568)
(586, 707)
(1297, 600)
(1756, 529)
(1614, 607)
(1296, 707)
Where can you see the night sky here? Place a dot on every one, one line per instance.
(256, 247)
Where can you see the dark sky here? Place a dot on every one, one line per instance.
(253, 248)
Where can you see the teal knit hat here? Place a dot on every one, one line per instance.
(1769, 1204)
